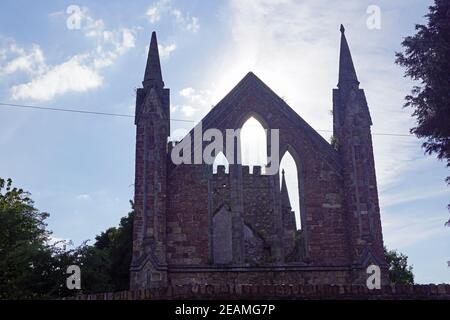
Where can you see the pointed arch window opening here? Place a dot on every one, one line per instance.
(289, 166)
(253, 139)
(221, 160)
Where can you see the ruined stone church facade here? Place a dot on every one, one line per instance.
(193, 226)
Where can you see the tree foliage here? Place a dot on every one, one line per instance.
(426, 58)
(32, 267)
(105, 265)
(399, 271)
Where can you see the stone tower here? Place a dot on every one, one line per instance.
(152, 121)
(351, 126)
(196, 226)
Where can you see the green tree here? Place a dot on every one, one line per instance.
(30, 267)
(426, 60)
(399, 271)
(121, 253)
(105, 265)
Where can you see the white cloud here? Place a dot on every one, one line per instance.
(155, 11)
(165, 50)
(78, 73)
(30, 62)
(153, 14)
(93, 28)
(195, 102)
(188, 111)
(70, 76)
(201, 98)
(184, 20)
(128, 40)
(186, 92)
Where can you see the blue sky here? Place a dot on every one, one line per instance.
(80, 168)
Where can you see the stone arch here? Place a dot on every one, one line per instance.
(253, 143)
(238, 123)
(221, 160)
(287, 148)
(290, 180)
(251, 114)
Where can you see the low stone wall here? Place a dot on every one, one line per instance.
(279, 292)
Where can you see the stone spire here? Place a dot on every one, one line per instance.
(153, 76)
(285, 202)
(347, 73)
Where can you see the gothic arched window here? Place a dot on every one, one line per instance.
(253, 144)
(291, 175)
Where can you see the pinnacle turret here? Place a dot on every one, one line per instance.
(153, 75)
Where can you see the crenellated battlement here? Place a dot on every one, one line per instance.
(257, 171)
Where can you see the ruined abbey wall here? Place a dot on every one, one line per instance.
(196, 226)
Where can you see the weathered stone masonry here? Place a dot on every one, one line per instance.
(195, 227)
(278, 292)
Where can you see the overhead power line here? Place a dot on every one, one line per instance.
(132, 116)
(66, 110)
(77, 111)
